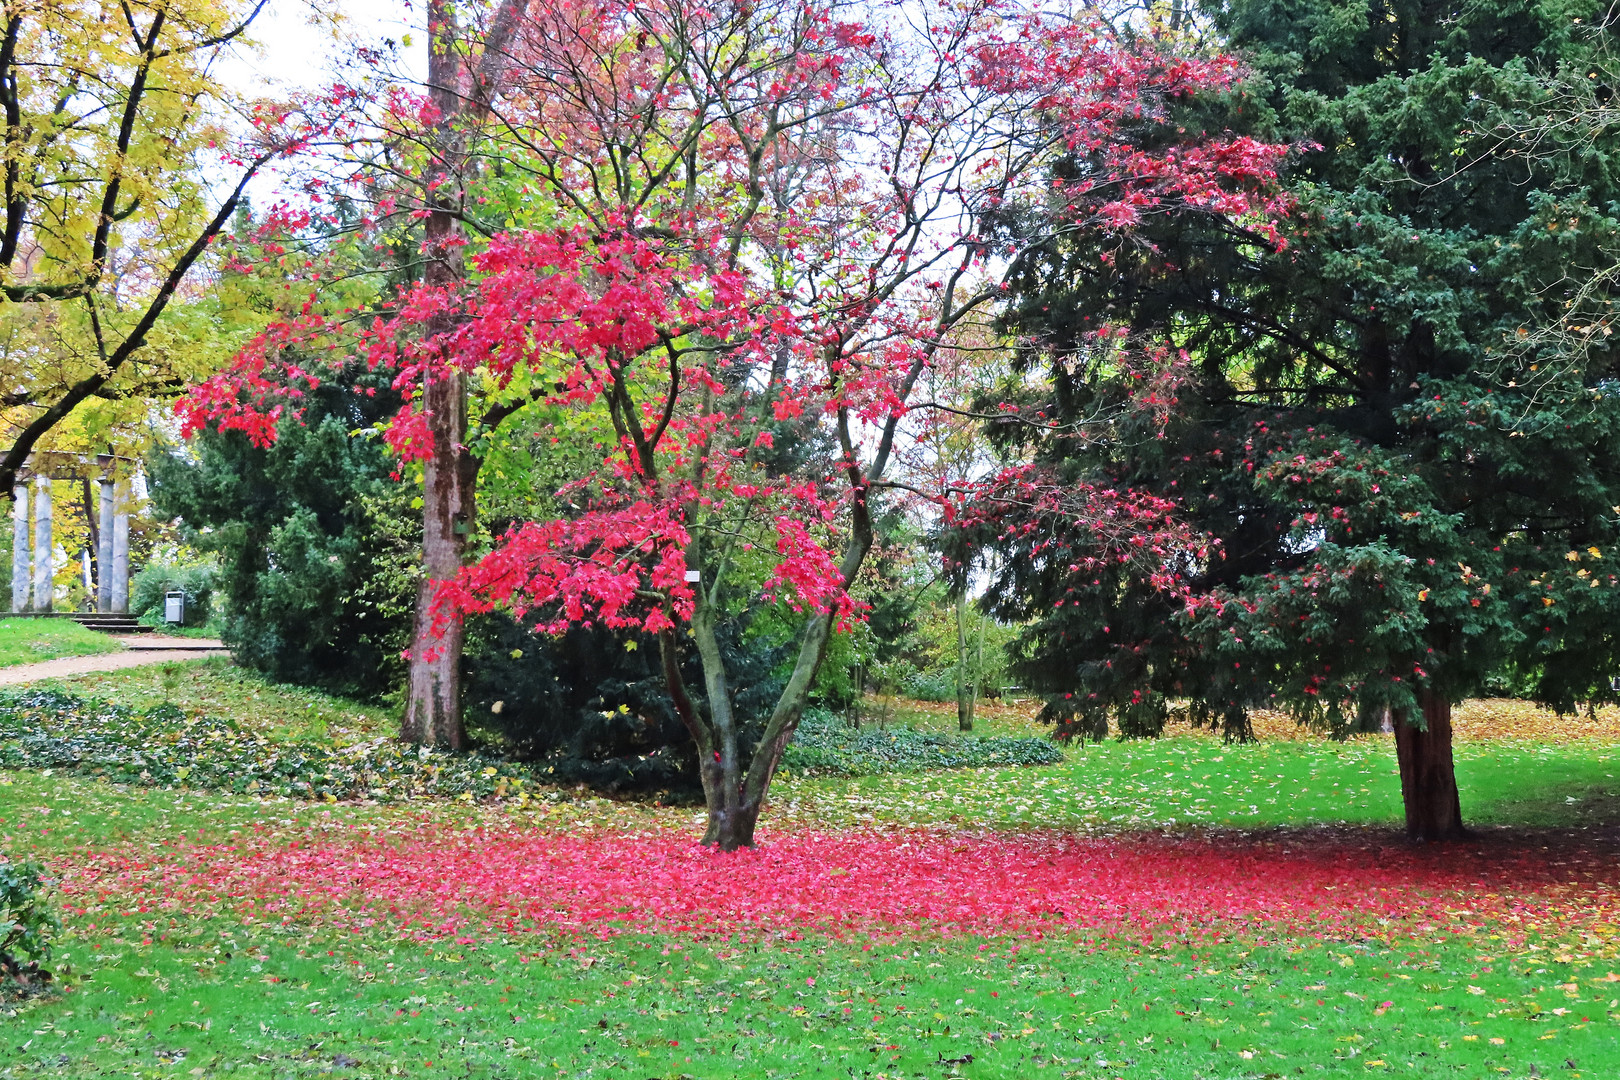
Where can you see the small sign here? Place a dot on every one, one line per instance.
(694, 575)
(174, 607)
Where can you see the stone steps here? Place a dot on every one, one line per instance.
(105, 621)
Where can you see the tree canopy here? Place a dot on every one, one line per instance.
(126, 156)
(1407, 486)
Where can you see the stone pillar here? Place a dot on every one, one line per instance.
(120, 547)
(104, 547)
(44, 546)
(21, 551)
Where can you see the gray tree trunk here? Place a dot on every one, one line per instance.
(728, 826)
(978, 672)
(964, 693)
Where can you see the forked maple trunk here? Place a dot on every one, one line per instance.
(1428, 776)
(730, 825)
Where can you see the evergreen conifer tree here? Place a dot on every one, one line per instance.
(1412, 486)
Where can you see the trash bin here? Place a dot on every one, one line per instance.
(174, 607)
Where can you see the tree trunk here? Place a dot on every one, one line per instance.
(729, 826)
(433, 701)
(433, 708)
(1428, 778)
(780, 727)
(978, 674)
(964, 705)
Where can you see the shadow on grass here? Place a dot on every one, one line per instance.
(1572, 793)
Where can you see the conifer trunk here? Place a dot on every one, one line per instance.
(1428, 775)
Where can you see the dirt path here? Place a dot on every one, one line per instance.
(141, 650)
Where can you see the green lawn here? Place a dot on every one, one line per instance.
(181, 994)
(207, 1000)
(1196, 780)
(29, 641)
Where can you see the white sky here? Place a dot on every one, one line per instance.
(303, 44)
(300, 44)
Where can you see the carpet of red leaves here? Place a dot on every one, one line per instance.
(430, 882)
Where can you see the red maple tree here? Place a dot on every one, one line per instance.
(763, 223)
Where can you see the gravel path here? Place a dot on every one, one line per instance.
(142, 649)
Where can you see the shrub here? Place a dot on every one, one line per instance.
(592, 706)
(315, 541)
(932, 685)
(152, 584)
(824, 745)
(28, 924)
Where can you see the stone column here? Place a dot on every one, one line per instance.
(104, 547)
(120, 547)
(21, 550)
(44, 546)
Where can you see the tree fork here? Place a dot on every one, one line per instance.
(1428, 774)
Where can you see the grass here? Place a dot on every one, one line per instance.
(31, 641)
(1194, 780)
(155, 620)
(211, 1001)
(178, 995)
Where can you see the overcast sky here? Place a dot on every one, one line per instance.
(295, 46)
(297, 49)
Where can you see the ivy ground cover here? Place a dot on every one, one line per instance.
(872, 934)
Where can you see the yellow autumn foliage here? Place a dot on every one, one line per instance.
(121, 150)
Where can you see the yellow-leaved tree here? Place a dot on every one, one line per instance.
(124, 158)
